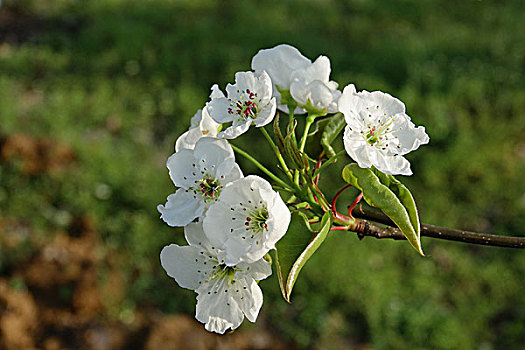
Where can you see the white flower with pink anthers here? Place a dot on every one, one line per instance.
(249, 102)
(247, 221)
(378, 131)
(200, 174)
(225, 294)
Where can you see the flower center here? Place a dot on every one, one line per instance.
(210, 189)
(371, 137)
(256, 219)
(379, 133)
(222, 271)
(246, 106)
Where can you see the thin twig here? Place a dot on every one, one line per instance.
(372, 230)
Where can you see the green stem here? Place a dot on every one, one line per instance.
(277, 153)
(263, 168)
(309, 121)
(331, 160)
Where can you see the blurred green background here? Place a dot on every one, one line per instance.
(93, 95)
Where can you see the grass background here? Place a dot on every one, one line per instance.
(117, 81)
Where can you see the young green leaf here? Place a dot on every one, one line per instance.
(332, 129)
(404, 196)
(295, 248)
(395, 201)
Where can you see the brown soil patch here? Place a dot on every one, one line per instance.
(36, 155)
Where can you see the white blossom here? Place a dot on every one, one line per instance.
(249, 102)
(280, 62)
(200, 174)
(312, 89)
(201, 125)
(225, 294)
(247, 221)
(378, 131)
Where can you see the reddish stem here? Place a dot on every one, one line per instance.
(339, 228)
(317, 166)
(354, 203)
(337, 196)
(338, 215)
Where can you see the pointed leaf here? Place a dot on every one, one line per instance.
(332, 129)
(404, 196)
(380, 195)
(295, 248)
(315, 243)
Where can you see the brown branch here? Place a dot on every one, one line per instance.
(369, 229)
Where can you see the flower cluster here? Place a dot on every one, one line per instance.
(231, 222)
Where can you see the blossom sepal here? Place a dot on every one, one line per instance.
(385, 192)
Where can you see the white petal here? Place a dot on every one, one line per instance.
(180, 264)
(235, 130)
(218, 310)
(410, 137)
(257, 270)
(316, 92)
(389, 104)
(319, 70)
(195, 236)
(196, 119)
(235, 250)
(243, 81)
(218, 222)
(332, 107)
(208, 126)
(250, 299)
(266, 115)
(234, 174)
(278, 221)
(183, 168)
(279, 62)
(181, 208)
(216, 92)
(347, 104)
(188, 139)
(226, 221)
(397, 165)
(356, 147)
(211, 153)
(201, 125)
(218, 110)
(263, 86)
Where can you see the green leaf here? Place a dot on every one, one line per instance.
(334, 127)
(294, 250)
(404, 196)
(323, 133)
(388, 194)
